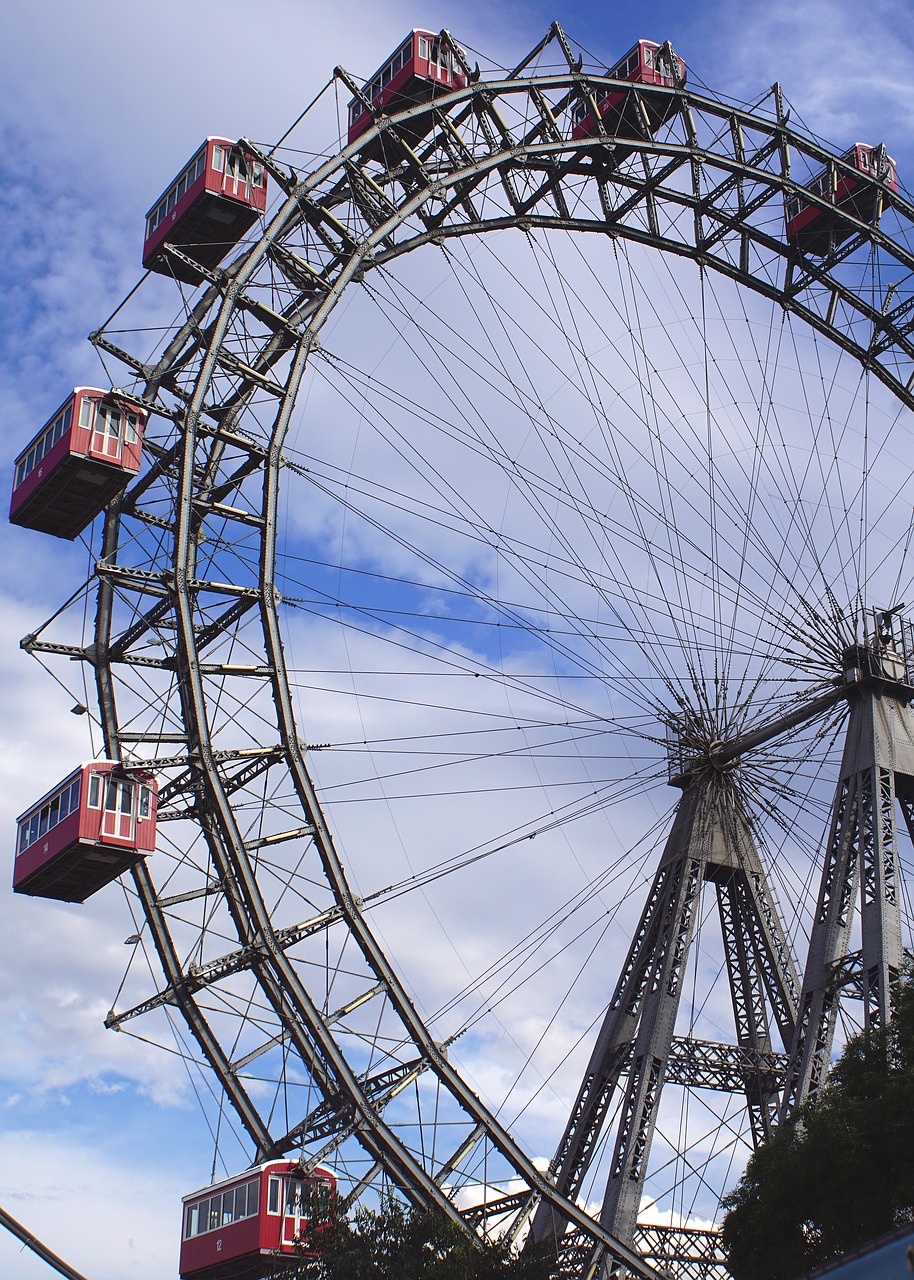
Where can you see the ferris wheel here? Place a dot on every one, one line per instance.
(516, 567)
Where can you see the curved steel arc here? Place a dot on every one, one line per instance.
(200, 451)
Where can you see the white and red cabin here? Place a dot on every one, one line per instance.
(215, 199)
(423, 67)
(85, 832)
(648, 63)
(235, 1228)
(855, 191)
(85, 455)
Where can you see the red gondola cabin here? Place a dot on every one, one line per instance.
(204, 212)
(646, 64)
(817, 230)
(86, 832)
(235, 1229)
(84, 456)
(422, 68)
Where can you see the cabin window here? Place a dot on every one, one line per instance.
(144, 803)
(55, 431)
(295, 1197)
(423, 47)
(273, 1196)
(50, 815)
(95, 791)
(222, 1209)
(218, 159)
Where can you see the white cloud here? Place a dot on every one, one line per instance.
(57, 1186)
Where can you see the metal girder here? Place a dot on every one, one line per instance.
(861, 855)
(727, 1068)
(690, 1253)
(709, 841)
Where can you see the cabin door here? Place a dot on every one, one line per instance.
(236, 177)
(294, 1217)
(118, 815)
(107, 434)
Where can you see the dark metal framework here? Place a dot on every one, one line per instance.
(191, 676)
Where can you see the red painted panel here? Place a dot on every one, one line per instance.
(227, 1251)
(74, 481)
(194, 215)
(73, 858)
(643, 74)
(416, 81)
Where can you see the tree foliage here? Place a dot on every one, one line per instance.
(395, 1242)
(841, 1171)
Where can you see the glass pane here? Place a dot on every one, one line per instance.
(23, 838)
(190, 1221)
(253, 1198)
(273, 1197)
(126, 790)
(74, 796)
(228, 1208)
(241, 1203)
(295, 1197)
(33, 828)
(43, 822)
(144, 802)
(218, 158)
(215, 1212)
(86, 412)
(111, 796)
(55, 812)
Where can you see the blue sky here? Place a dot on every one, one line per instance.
(101, 104)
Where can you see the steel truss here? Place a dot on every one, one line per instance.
(191, 674)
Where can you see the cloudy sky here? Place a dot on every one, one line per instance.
(102, 102)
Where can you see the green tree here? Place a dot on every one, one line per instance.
(395, 1242)
(841, 1171)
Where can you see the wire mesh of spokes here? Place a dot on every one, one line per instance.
(584, 457)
